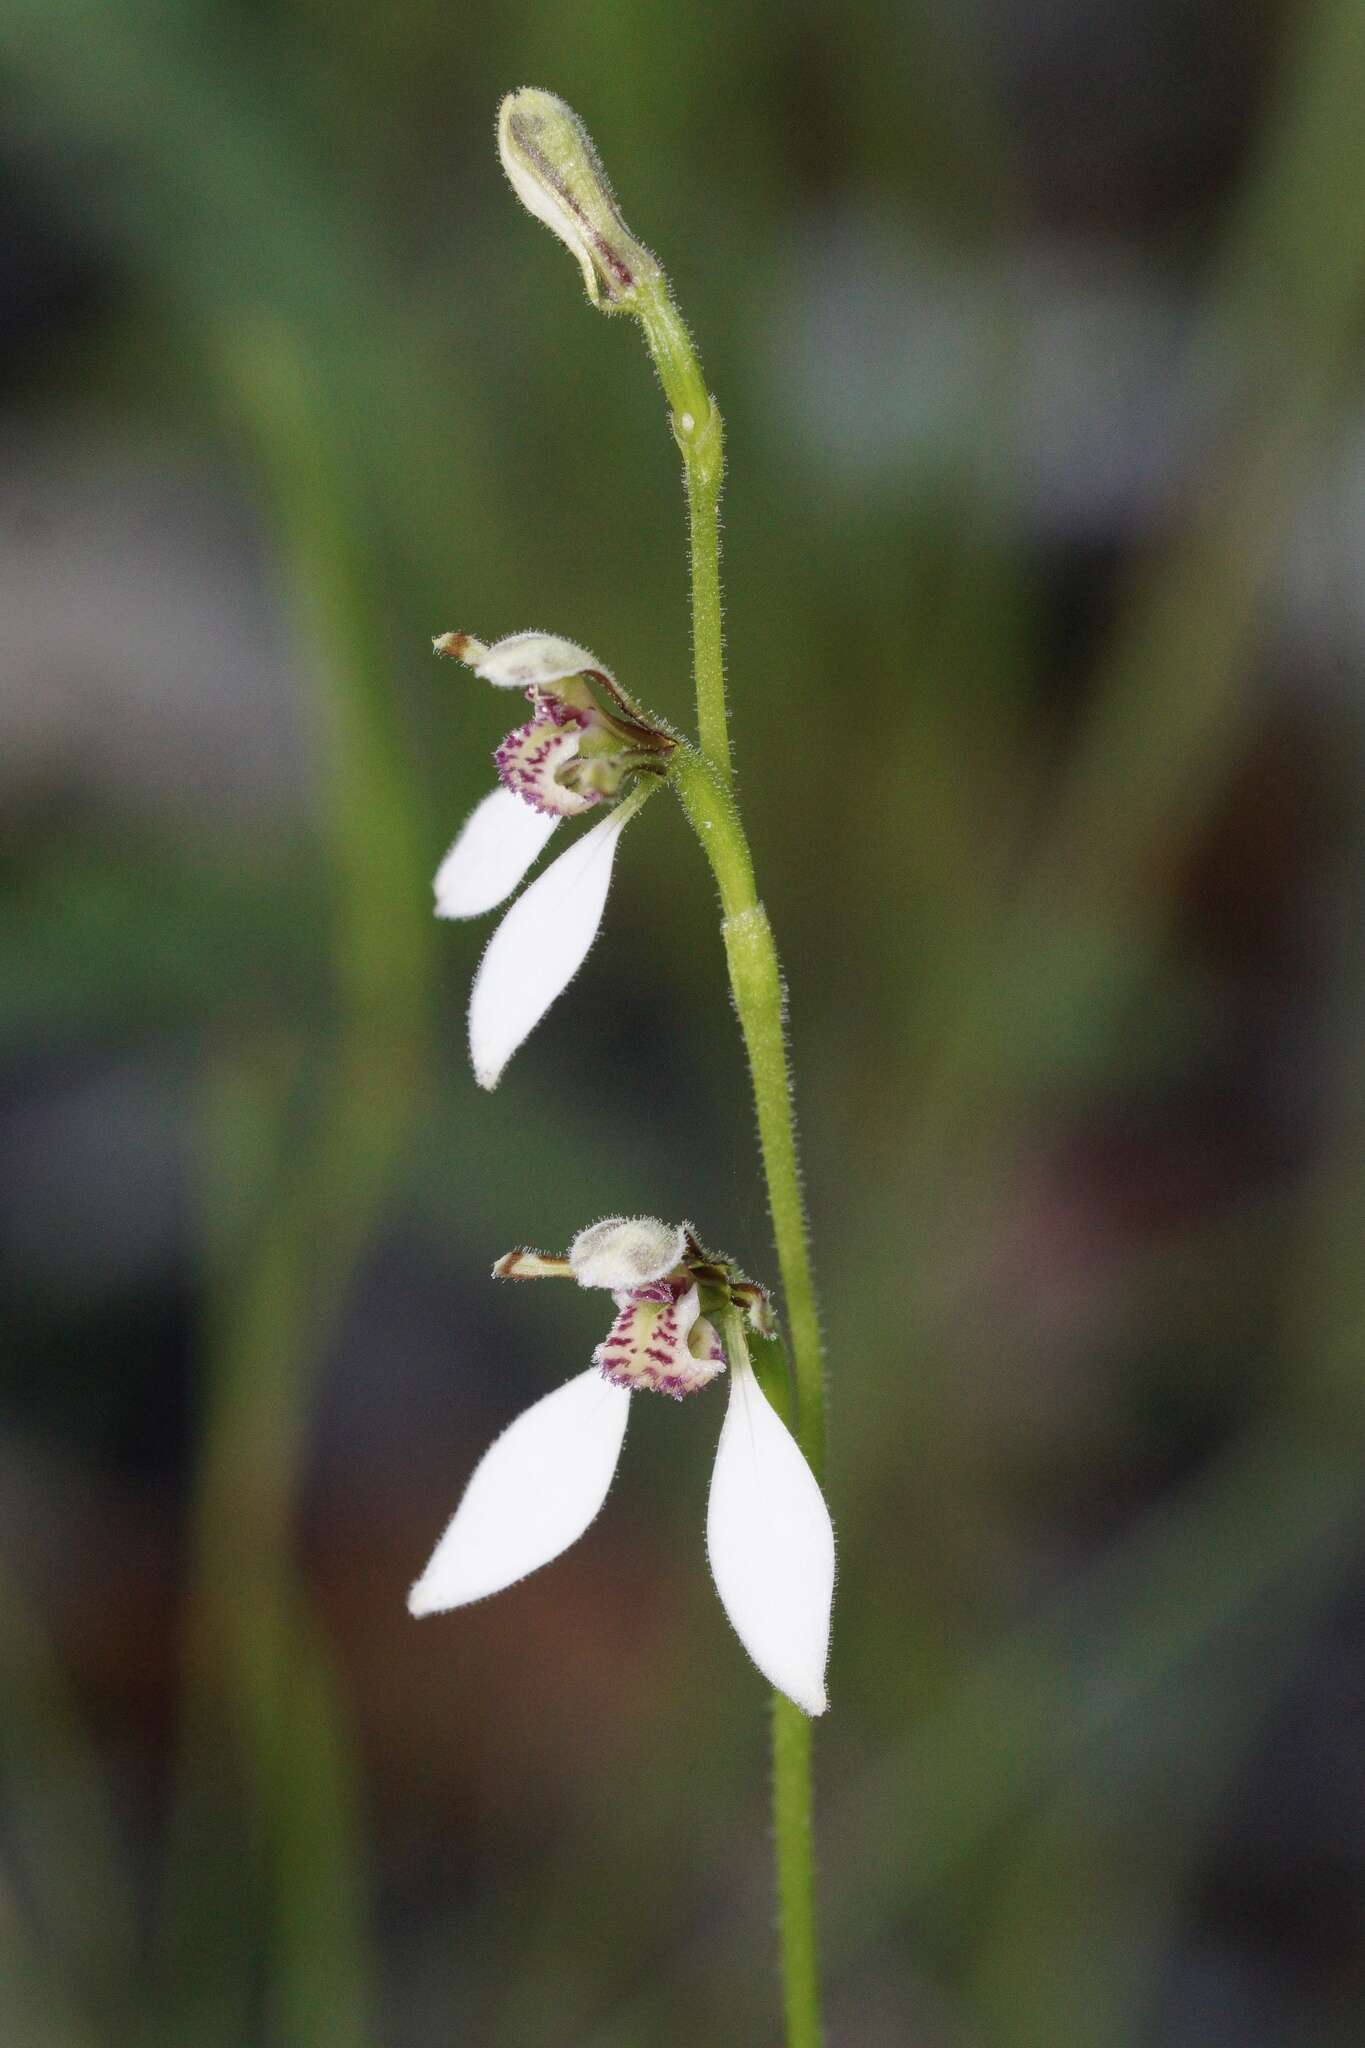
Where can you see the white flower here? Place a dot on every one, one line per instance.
(535, 1491)
(573, 754)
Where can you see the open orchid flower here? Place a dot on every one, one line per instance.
(581, 745)
(769, 1538)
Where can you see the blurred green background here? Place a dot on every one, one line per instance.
(1037, 330)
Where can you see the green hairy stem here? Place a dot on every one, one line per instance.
(704, 781)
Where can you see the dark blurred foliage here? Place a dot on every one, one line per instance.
(1036, 329)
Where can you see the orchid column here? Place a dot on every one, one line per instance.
(556, 172)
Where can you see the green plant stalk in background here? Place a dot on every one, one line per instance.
(296, 1179)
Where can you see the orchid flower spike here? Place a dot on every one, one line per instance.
(769, 1537)
(583, 742)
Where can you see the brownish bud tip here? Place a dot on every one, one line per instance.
(460, 647)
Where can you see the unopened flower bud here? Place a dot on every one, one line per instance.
(558, 176)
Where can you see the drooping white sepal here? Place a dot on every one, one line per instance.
(500, 839)
(538, 948)
(771, 1545)
(534, 1492)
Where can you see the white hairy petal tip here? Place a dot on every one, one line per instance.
(538, 948)
(534, 1492)
(626, 1251)
(771, 1545)
(498, 842)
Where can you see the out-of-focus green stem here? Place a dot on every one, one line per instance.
(68, 1938)
(301, 1151)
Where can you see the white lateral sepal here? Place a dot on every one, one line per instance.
(538, 948)
(534, 1492)
(498, 842)
(771, 1545)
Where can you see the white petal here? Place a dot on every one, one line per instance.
(626, 1251)
(532, 661)
(533, 1494)
(500, 839)
(771, 1545)
(538, 948)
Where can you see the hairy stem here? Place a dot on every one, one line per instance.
(703, 512)
(792, 1827)
(704, 782)
(700, 434)
(756, 984)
